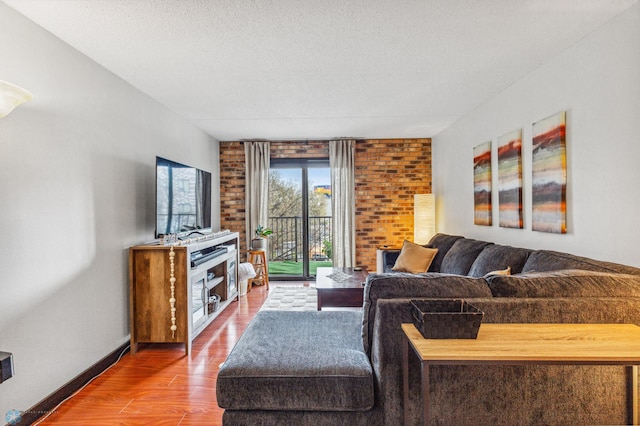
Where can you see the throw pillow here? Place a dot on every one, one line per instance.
(414, 258)
(501, 272)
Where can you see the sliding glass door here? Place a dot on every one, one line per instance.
(300, 217)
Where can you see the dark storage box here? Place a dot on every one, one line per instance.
(446, 319)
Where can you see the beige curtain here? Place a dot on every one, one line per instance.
(343, 205)
(256, 187)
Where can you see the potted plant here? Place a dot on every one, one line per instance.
(260, 240)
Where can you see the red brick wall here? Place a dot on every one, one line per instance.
(388, 173)
(300, 149)
(232, 190)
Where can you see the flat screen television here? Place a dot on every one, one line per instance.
(183, 199)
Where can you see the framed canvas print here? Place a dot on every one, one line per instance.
(510, 180)
(482, 184)
(549, 175)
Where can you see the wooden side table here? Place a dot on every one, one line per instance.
(526, 344)
(380, 250)
(258, 258)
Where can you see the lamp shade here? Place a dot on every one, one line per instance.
(11, 96)
(424, 218)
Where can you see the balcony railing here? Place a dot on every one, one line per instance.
(286, 242)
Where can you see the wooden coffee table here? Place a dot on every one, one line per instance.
(340, 287)
(527, 344)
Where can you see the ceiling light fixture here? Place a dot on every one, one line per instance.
(12, 96)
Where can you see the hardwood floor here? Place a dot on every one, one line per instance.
(160, 385)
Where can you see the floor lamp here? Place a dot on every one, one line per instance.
(424, 218)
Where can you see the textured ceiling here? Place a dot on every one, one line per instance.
(292, 69)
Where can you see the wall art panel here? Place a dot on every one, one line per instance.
(549, 175)
(510, 180)
(482, 184)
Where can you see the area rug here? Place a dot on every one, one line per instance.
(291, 298)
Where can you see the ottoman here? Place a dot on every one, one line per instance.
(298, 361)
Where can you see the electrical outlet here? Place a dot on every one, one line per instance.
(6, 366)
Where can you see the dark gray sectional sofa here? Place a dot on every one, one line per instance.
(344, 367)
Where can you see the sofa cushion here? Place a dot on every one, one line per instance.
(565, 283)
(300, 360)
(547, 260)
(399, 285)
(496, 257)
(461, 256)
(414, 258)
(443, 243)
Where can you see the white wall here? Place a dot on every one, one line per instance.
(77, 182)
(597, 81)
